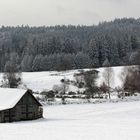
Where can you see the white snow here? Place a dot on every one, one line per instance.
(106, 121)
(10, 97)
(39, 81)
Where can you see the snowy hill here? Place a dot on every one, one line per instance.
(39, 81)
(120, 121)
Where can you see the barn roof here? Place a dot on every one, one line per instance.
(9, 97)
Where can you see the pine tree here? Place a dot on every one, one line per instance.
(82, 61)
(36, 63)
(93, 53)
(26, 63)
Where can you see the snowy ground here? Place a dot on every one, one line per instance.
(107, 121)
(39, 81)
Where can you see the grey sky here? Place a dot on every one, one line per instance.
(52, 12)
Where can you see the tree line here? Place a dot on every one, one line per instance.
(69, 47)
(86, 82)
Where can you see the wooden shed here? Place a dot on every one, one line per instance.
(18, 105)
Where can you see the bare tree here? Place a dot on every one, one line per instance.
(123, 76)
(120, 92)
(90, 78)
(103, 88)
(108, 76)
(12, 76)
(56, 89)
(11, 80)
(132, 80)
(62, 89)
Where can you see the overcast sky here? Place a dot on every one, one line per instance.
(54, 12)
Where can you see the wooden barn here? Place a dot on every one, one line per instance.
(18, 105)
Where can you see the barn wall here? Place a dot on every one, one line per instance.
(1, 116)
(28, 108)
(4, 116)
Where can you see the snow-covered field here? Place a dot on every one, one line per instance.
(39, 81)
(106, 121)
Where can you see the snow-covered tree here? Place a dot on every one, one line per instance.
(26, 63)
(36, 63)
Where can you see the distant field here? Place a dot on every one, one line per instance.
(39, 81)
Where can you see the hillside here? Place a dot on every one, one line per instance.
(69, 47)
(39, 81)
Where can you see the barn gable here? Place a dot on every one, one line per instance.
(30, 97)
